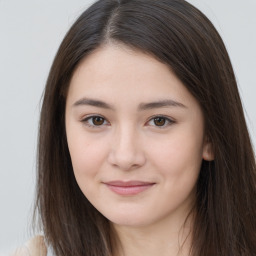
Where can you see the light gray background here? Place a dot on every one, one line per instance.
(30, 33)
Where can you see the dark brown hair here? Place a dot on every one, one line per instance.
(179, 35)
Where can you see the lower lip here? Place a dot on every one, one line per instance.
(129, 190)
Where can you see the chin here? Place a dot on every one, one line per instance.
(129, 220)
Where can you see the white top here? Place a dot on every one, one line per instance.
(34, 247)
(49, 252)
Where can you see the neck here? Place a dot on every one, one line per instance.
(170, 237)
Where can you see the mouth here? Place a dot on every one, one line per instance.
(128, 188)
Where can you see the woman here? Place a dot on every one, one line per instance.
(143, 144)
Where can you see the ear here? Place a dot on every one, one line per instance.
(208, 154)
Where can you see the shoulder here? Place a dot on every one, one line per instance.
(34, 247)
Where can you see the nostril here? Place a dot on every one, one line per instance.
(128, 160)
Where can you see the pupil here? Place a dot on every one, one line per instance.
(98, 120)
(159, 121)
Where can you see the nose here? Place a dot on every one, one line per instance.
(126, 150)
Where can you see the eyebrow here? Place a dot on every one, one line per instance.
(141, 107)
(93, 102)
(161, 104)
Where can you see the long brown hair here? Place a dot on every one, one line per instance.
(179, 35)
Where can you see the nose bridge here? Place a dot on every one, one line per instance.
(126, 137)
(127, 152)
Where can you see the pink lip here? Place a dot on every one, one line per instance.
(128, 187)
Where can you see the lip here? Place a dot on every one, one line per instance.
(128, 188)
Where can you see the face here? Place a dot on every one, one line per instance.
(135, 136)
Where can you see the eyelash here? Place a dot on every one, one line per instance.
(88, 121)
(167, 121)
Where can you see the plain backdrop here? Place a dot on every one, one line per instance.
(30, 33)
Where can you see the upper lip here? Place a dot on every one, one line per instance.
(119, 183)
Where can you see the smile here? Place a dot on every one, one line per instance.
(128, 188)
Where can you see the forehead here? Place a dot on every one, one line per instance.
(119, 59)
(119, 72)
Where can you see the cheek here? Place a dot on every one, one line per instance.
(87, 158)
(87, 154)
(178, 161)
(180, 155)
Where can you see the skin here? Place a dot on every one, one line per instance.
(126, 143)
(35, 247)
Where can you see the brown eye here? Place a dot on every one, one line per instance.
(159, 121)
(97, 120)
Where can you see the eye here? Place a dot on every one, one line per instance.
(160, 121)
(94, 121)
